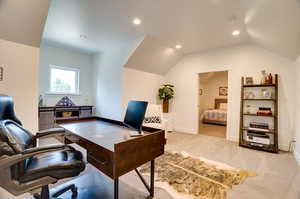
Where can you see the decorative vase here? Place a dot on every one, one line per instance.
(166, 106)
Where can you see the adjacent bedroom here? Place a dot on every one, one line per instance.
(213, 92)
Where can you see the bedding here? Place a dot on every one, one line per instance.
(215, 116)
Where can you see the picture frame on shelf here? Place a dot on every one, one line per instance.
(223, 91)
(249, 81)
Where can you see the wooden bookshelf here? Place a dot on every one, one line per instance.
(273, 147)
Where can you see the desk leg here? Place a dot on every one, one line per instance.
(116, 188)
(152, 178)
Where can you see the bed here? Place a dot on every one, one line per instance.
(218, 115)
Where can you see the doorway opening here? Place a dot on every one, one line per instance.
(213, 93)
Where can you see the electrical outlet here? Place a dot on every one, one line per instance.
(1, 73)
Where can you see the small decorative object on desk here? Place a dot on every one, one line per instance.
(65, 101)
(223, 91)
(249, 80)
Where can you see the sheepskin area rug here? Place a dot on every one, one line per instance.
(187, 177)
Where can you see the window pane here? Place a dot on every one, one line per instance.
(63, 81)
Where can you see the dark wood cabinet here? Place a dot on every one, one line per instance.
(49, 115)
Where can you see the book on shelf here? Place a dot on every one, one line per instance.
(258, 129)
(258, 138)
(259, 125)
(264, 111)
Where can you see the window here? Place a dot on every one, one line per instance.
(64, 80)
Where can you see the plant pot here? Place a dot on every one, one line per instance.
(166, 106)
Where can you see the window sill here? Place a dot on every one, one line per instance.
(53, 93)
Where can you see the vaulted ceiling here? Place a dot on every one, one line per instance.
(197, 25)
(96, 26)
(23, 21)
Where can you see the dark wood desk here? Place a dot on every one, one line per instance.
(111, 149)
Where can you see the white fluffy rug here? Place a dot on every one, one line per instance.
(187, 177)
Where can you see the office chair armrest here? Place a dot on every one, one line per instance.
(46, 148)
(49, 133)
(8, 161)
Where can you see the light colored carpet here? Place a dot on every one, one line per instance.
(212, 130)
(279, 174)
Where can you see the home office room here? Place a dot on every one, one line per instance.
(140, 99)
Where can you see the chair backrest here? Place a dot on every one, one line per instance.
(7, 109)
(14, 139)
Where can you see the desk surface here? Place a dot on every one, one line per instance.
(111, 149)
(100, 132)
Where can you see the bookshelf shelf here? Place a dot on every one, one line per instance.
(270, 131)
(244, 129)
(259, 99)
(260, 85)
(255, 115)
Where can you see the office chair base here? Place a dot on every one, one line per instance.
(45, 194)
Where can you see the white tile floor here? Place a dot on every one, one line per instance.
(278, 174)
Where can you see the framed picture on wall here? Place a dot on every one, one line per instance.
(1, 73)
(201, 91)
(223, 91)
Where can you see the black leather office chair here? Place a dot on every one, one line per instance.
(27, 168)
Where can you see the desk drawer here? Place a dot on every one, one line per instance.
(102, 159)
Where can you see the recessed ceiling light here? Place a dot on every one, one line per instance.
(178, 46)
(137, 21)
(236, 33)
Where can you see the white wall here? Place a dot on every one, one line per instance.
(50, 55)
(246, 60)
(139, 85)
(297, 114)
(20, 63)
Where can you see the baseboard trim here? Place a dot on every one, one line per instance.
(297, 157)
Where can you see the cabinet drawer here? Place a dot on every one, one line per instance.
(103, 160)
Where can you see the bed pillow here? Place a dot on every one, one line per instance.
(223, 106)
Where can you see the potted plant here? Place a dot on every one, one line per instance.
(166, 93)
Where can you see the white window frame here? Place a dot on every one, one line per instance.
(77, 79)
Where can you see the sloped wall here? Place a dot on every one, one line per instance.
(153, 56)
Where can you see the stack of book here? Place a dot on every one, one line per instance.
(259, 126)
(264, 111)
(259, 138)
